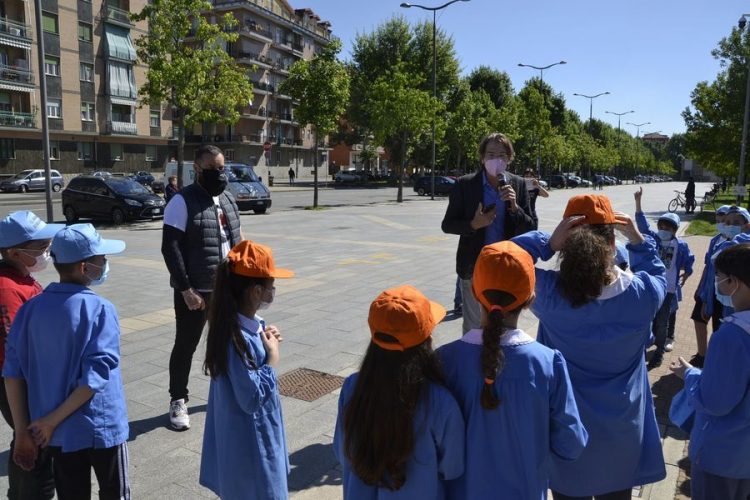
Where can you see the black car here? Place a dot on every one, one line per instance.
(143, 178)
(443, 185)
(109, 198)
(557, 181)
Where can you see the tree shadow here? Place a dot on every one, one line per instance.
(146, 425)
(312, 466)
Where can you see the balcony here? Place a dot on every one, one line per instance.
(263, 87)
(219, 138)
(286, 117)
(117, 16)
(16, 74)
(254, 57)
(255, 113)
(17, 120)
(122, 128)
(256, 30)
(15, 34)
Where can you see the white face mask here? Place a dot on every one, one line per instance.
(266, 304)
(495, 166)
(102, 277)
(725, 300)
(665, 234)
(40, 261)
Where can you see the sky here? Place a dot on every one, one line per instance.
(649, 54)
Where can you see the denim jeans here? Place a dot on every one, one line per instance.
(661, 322)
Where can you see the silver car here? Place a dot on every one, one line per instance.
(32, 180)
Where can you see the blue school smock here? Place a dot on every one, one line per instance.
(603, 343)
(705, 289)
(64, 338)
(244, 443)
(684, 259)
(709, 291)
(720, 394)
(509, 448)
(438, 448)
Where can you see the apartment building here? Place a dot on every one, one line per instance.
(92, 81)
(272, 36)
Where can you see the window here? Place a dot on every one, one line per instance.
(87, 112)
(5, 101)
(52, 65)
(229, 154)
(87, 72)
(121, 80)
(84, 32)
(123, 113)
(85, 151)
(49, 22)
(155, 118)
(150, 153)
(115, 152)
(7, 149)
(54, 150)
(53, 108)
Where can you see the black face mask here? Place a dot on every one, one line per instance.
(213, 181)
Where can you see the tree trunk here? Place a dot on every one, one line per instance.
(180, 147)
(400, 196)
(315, 168)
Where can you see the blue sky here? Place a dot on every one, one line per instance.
(648, 53)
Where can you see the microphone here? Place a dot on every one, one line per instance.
(501, 182)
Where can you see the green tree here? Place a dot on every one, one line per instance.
(188, 68)
(496, 83)
(468, 124)
(321, 86)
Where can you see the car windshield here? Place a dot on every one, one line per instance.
(126, 186)
(241, 173)
(22, 175)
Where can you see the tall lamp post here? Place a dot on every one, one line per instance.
(434, 10)
(637, 137)
(743, 148)
(619, 115)
(45, 127)
(541, 91)
(591, 113)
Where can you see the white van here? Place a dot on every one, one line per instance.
(244, 184)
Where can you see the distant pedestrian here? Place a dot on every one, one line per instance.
(535, 190)
(291, 176)
(690, 196)
(171, 189)
(723, 184)
(244, 445)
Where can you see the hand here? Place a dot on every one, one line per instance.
(534, 182)
(683, 278)
(193, 300)
(507, 193)
(25, 451)
(41, 431)
(271, 343)
(483, 219)
(275, 332)
(628, 228)
(558, 238)
(679, 367)
(638, 194)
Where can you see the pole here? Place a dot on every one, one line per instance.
(45, 127)
(743, 148)
(539, 139)
(434, 96)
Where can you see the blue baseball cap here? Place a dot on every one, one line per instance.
(79, 242)
(723, 210)
(22, 226)
(739, 210)
(671, 218)
(622, 256)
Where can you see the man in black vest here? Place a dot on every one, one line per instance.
(201, 225)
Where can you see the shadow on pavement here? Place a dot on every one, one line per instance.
(312, 466)
(138, 427)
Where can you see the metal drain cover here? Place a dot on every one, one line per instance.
(308, 385)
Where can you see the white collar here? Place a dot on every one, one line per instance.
(509, 338)
(741, 319)
(619, 285)
(251, 325)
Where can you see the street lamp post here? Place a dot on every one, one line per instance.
(637, 137)
(45, 125)
(619, 115)
(591, 113)
(434, 10)
(743, 147)
(541, 91)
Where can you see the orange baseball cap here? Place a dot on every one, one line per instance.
(506, 267)
(404, 314)
(255, 261)
(596, 208)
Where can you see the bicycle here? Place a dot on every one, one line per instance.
(678, 202)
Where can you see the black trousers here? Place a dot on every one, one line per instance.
(73, 473)
(614, 495)
(36, 484)
(189, 327)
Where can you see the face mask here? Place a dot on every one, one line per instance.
(495, 166)
(266, 304)
(732, 231)
(102, 277)
(721, 227)
(213, 181)
(40, 262)
(725, 300)
(665, 234)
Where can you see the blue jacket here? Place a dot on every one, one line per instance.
(603, 343)
(509, 449)
(705, 289)
(438, 449)
(720, 394)
(68, 337)
(709, 292)
(244, 444)
(685, 258)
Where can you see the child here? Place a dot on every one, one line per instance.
(705, 287)
(677, 258)
(515, 394)
(244, 445)
(399, 432)
(720, 393)
(24, 248)
(62, 372)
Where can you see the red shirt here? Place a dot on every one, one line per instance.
(15, 289)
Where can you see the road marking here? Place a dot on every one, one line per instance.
(433, 239)
(385, 222)
(377, 258)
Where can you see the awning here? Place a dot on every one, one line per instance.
(123, 102)
(119, 45)
(6, 40)
(17, 88)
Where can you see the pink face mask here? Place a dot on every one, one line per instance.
(495, 166)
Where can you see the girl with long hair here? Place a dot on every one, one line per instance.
(399, 432)
(515, 394)
(599, 317)
(244, 446)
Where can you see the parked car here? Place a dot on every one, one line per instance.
(118, 199)
(32, 180)
(348, 176)
(143, 178)
(572, 180)
(558, 181)
(102, 173)
(443, 185)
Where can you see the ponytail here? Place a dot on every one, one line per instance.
(493, 358)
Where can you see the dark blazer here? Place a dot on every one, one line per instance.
(462, 205)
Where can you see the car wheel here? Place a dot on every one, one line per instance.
(24, 188)
(70, 214)
(421, 192)
(259, 211)
(56, 188)
(118, 216)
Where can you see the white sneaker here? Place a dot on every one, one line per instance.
(178, 415)
(669, 346)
